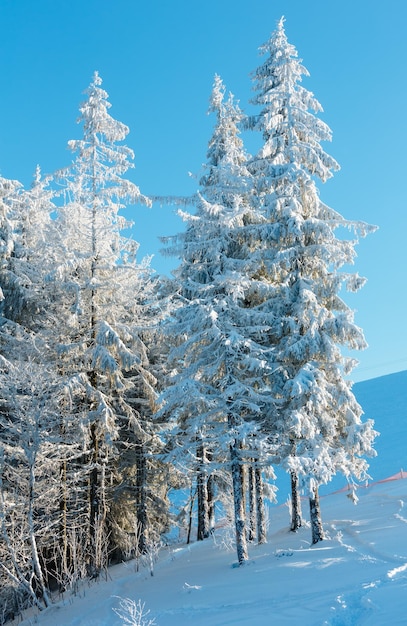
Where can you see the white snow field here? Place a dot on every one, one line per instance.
(358, 575)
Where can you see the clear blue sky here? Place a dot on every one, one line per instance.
(158, 59)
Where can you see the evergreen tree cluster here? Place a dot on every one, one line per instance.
(118, 385)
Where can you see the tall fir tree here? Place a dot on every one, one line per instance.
(12, 300)
(101, 345)
(220, 385)
(319, 423)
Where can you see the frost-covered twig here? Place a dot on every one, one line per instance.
(133, 612)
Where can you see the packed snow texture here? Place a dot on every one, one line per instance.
(357, 576)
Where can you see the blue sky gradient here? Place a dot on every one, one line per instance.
(158, 60)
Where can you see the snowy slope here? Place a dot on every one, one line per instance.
(384, 400)
(357, 576)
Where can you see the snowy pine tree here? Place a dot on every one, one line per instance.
(12, 300)
(319, 423)
(220, 385)
(30, 449)
(104, 293)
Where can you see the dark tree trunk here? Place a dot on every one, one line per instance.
(296, 515)
(93, 496)
(296, 520)
(252, 504)
(239, 510)
(243, 471)
(211, 502)
(315, 517)
(261, 515)
(202, 492)
(63, 525)
(191, 509)
(141, 501)
(37, 569)
(97, 559)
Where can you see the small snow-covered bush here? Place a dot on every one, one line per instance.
(224, 538)
(133, 612)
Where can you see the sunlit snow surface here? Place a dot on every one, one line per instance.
(358, 575)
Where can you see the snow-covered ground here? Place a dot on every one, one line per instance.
(358, 575)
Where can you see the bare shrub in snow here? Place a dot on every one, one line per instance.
(133, 612)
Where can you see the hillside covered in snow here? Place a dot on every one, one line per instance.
(357, 575)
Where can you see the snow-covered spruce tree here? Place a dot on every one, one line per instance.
(12, 300)
(139, 510)
(26, 233)
(101, 350)
(33, 258)
(27, 331)
(30, 272)
(30, 453)
(319, 426)
(220, 382)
